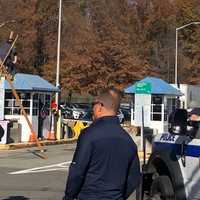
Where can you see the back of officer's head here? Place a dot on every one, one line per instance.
(109, 101)
(105, 104)
(116, 94)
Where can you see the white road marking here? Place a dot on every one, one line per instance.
(56, 167)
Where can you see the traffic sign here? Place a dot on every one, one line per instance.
(142, 100)
(143, 88)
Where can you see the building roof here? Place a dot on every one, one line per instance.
(158, 86)
(31, 82)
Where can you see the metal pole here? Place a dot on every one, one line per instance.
(176, 53)
(142, 129)
(176, 60)
(58, 51)
(143, 138)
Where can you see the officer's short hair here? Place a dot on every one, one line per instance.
(109, 100)
(116, 94)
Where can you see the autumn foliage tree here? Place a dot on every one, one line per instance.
(105, 42)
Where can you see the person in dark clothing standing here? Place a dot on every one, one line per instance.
(11, 60)
(105, 165)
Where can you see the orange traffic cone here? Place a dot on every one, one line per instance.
(51, 133)
(32, 137)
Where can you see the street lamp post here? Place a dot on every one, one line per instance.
(58, 52)
(58, 126)
(176, 53)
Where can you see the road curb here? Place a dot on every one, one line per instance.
(14, 146)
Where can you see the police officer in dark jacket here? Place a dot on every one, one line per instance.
(105, 165)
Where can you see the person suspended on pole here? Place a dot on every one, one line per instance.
(11, 59)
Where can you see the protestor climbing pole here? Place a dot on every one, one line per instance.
(9, 78)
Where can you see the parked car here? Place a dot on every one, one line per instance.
(127, 112)
(66, 111)
(75, 110)
(81, 110)
(86, 111)
(120, 115)
(88, 116)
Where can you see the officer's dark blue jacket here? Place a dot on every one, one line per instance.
(105, 164)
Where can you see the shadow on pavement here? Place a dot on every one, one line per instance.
(16, 198)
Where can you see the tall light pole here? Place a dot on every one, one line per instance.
(58, 51)
(176, 53)
(58, 125)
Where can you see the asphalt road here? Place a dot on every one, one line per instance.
(24, 175)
